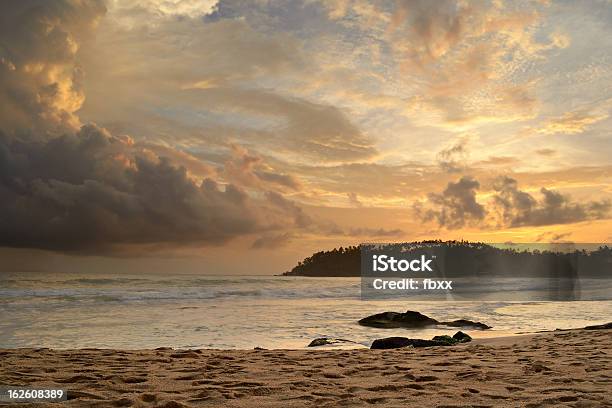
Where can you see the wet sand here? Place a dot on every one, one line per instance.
(565, 368)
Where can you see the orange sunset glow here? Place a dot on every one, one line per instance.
(149, 134)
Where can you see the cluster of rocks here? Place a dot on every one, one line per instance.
(415, 320)
(408, 320)
(398, 342)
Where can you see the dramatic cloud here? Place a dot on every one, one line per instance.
(510, 207)
(70, 188)
(65, 188)
(518, 208)
(94, 191)
(40, 85)
(455, 207)
(287, 123)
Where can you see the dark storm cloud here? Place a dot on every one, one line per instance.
(510, 207)
(519, 208)
(74, 188)
(92, 191)
(70, 188)
(455, 207)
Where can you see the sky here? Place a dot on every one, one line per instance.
(238, 137)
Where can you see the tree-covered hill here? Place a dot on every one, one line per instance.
(473, 258)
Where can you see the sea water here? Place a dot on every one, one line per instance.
(238, 312)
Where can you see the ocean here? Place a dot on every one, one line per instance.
(238, 312)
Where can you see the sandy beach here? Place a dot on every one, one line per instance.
(564, 368)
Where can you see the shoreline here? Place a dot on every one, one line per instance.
(558, 368)
(478, 338)
(341, 346)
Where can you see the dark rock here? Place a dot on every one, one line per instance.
(323, 341)
(448, 340)
(462, 337)
(398, 342)
(391, 343)
(390, 320)
(599, 326)
(466, 323)
(259, 348)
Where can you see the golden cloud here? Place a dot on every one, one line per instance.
(572, 122)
